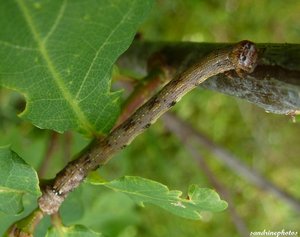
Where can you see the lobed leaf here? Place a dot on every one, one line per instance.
(59, 55)
(16, 179)
(143, 190)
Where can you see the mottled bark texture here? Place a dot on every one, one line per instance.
(274, 85)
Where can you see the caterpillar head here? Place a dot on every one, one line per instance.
(244, 56)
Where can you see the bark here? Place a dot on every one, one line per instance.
(274, 85)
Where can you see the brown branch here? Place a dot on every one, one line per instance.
(67, 144)
(26, 226)
(52, 145)
(218, 185)
(180, 127)
(141, 93)
(274, 86)
(241, 57)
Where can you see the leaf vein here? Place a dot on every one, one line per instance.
(85, 124)
(15, 46)
(100, 49)
(9, 190)
(57, 20)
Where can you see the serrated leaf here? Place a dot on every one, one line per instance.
(148, 191)
(59, 55)
(72, 231)
(16, 179)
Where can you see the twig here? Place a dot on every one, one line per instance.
(67, 143)
(141, 93)
(26, 226)
(231, 161)
(56, 220)
(274, 85)
(241, 57)
(52, 144)
(219, 186)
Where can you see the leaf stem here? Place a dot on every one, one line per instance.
(27, 225)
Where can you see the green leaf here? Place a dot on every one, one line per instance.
(147, 191)
(72, 231)
(59, 55)
(16, 179)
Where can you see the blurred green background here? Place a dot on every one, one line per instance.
(266, 142)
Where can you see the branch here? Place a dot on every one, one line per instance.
(186, 131)
(218, 185)
(141, 93)
(274, 85)
(241, 57)
(51, 147)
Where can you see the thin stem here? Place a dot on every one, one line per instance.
(141, 93)
(231, 161)
(27, 225)
(52, 145)
(218, 185)
(67, 144)
(56, 220)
